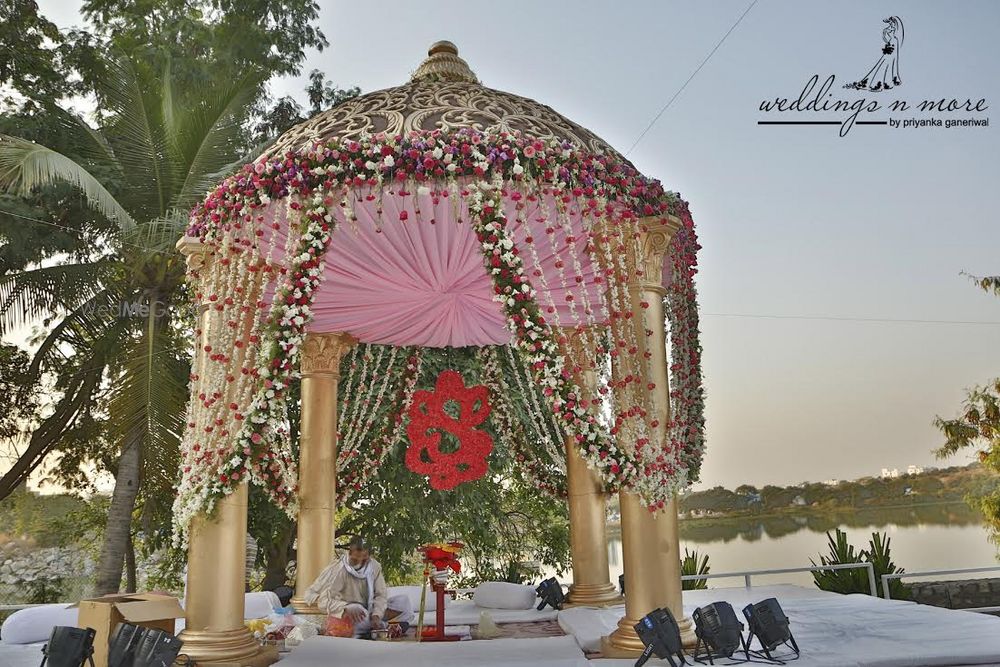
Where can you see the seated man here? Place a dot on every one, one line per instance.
(353, 586)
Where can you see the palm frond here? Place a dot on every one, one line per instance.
(147, 399)
(136, 125)
(91, 324)
(208, 138)
(86, 141)
(46, 291)
(160, 234)
(25, 165)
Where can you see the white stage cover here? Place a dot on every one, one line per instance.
(832, 631)
(327, 651)
(837, 630)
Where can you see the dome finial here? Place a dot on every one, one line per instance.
(443, 64)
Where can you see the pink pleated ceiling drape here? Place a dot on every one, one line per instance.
(415, 274)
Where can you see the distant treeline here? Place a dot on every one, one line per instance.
(943, 485)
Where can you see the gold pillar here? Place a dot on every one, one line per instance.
(214, 634)
(650, 541)
(587, 500)
(321, 355)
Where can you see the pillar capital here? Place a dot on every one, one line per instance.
(322, 352)
(577, 345)
(196, 254)
(655, 235)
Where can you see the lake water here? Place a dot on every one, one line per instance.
(939, 537)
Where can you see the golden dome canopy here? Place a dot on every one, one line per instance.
(443, 93)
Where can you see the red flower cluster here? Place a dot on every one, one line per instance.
(428, 418)
(442, 556)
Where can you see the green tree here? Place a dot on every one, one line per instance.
(115, 313)
(978, 426)
(158, 139)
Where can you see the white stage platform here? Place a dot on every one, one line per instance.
(832, 631)
(837, 630)
(329, 651)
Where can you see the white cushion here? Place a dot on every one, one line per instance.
(34, 624)
(260, 604)
(413, 592)
(504, 595)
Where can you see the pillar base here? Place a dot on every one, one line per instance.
(625, 643)
(303, 609)
(594, 595)
(226, 648)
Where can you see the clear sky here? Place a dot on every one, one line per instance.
(794, 220)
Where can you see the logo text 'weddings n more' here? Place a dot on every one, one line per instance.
(817, 99)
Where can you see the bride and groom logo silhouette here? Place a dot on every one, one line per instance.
(884, 75)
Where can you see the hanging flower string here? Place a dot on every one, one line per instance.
(686, 429)
(542, 468)
(357, 467)
(533, 336)
(319, 186)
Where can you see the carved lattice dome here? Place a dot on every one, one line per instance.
(443, 93)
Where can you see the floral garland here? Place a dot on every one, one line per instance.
(262, 450)
(548, 475)
(353, 471)
(322, 183)
(533, 336)
(686, 430)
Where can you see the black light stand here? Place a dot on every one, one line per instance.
(769, 624)
(661, 636)
(719, 633)
(551, 593)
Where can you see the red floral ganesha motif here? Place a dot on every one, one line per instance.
(428, 419)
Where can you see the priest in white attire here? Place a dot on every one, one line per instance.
(353, 586)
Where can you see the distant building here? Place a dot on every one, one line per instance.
(890, 474)
(799, 501)
(913, 470)
(832, 482)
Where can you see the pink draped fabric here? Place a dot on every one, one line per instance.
(415, 274)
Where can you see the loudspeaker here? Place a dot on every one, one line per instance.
(134, 646)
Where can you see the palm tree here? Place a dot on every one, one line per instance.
(118, 339)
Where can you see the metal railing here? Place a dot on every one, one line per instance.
(886, 578)
(748, 574)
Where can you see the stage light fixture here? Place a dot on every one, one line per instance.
(551, 593)
(661, 636)
(769, 624)
(135, 646)
(69, 647)
(719, 632)
(121, 648)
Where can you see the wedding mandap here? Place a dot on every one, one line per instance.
(439, 214)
